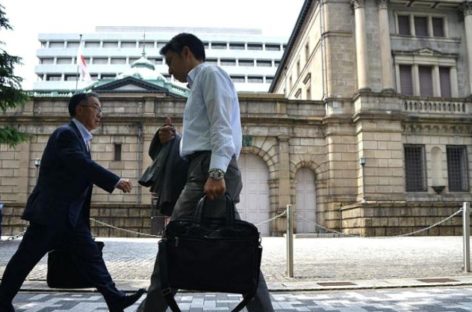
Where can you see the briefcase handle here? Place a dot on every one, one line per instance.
(230, 210)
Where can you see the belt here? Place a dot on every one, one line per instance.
(196, 154)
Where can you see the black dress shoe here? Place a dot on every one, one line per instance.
(121, 304)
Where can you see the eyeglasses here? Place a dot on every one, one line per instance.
(98, 109)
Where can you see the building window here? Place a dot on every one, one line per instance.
(457, 170)
(108, 76)
(255, 79)
(307, 51)
(110, 44)
(157, 60)
(92, 44)
(415, 168)
(298, 93)
(421, 26)
(438, 27)
(117, 152)
(404, 25)
(56, 44)
(246, 63)
(298, 68)
(100, 60)
(218, 45)
(71, 77)
(147, 45)
(205, 44)
(272, 47)
(128, 44)
(445, 81)
(238, 79)
(254, 46)
(118, 60)
(426, 80)
(236, 46)
(276, 63)
(264, 63)
(308, 93)
(53, 77)
(46, 60)
(73, 44)
(133, 59)
(269, 79)
(406, 81)
(228, 62)
(212, 61)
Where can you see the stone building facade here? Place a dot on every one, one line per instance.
(371, 133)
(396, 79)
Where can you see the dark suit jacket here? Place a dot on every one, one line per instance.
(66, 175)
(172, 175)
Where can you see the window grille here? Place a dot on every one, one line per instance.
(404, 25)
(421, 26)
(457, 170)
(415, 168)
(445, 81)
(438, 27)
(406, 81)
(426, 80)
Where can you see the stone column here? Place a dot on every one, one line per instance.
(436, 82)
(284, 171)
(454, 84)
(361, 44)
(467, 9)
(385, 49)
(416, 79)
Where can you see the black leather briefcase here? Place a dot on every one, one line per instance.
(222, 255)
(63, 272)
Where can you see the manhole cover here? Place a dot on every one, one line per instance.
(336, 284)
(437, 280)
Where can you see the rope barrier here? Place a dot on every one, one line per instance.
(121, 229)
(400, 235)
(431, 226)
(271, 219)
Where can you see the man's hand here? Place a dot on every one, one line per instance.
(124, 185)
(167, 131)
(214, 188)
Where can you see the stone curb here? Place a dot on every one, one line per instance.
(289, 286)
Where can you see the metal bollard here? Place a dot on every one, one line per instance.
(466, 234)
(289, 241)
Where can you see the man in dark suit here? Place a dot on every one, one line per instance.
(58, 208)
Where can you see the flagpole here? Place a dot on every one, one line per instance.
(77, 61)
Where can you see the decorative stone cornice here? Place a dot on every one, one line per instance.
(466, 8)
(435, 129)
(383, 4)
(358, 4)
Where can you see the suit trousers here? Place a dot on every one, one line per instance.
(40, 239)
(185, 206)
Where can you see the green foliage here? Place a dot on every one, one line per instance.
(11, 94)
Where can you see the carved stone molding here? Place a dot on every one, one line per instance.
(435, 129)
(466, 8)
(383, 4)
(358, 4)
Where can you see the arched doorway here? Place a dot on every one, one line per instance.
(254, 204)
(305, 212)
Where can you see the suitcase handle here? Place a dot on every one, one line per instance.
(230, 210)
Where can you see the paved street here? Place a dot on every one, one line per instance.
(331, 274)
(440, 299)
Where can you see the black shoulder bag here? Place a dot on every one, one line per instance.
(221, 255)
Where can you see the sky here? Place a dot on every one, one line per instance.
(31, 17)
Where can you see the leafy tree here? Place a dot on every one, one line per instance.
(11, 94)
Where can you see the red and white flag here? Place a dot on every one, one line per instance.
(84, 74)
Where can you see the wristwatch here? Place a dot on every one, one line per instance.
(216, 174)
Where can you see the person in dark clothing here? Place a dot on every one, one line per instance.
(58, 209)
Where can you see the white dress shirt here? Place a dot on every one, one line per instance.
(211, 119)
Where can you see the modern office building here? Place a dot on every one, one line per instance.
(247, 55)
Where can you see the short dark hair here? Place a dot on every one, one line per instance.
(77, 99)
(178, 42)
